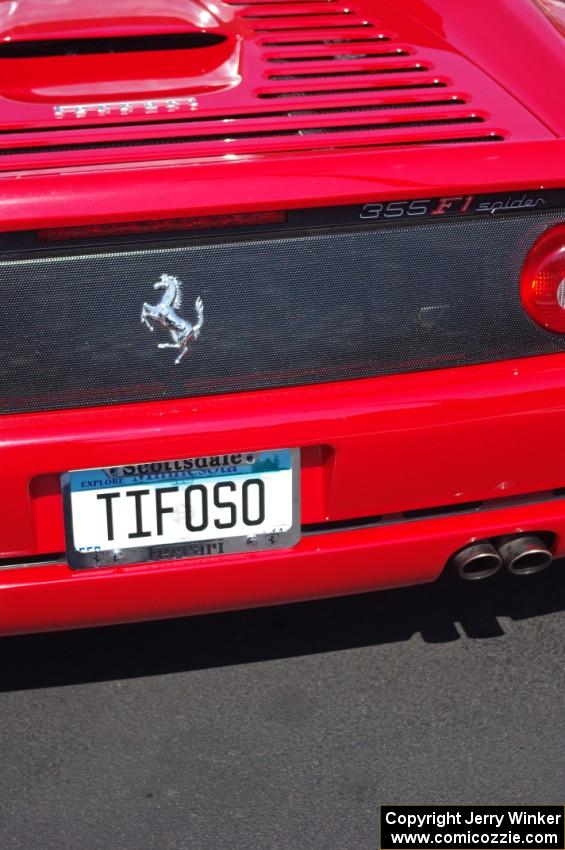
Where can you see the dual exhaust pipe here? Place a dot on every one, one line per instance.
(521, 555)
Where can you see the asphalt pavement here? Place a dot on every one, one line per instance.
(284, 728)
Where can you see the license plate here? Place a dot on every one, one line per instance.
(193, 507)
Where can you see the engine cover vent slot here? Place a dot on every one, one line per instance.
(341, 57)
(351, 72)
(356, 136)
(426, 102)
(121, 44)
(335, 26)
(307, 42)
(348, 89)
(331, 12)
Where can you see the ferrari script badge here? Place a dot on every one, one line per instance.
(164, 314)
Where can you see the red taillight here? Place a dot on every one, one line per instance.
(543, 281)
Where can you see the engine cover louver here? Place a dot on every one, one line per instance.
(268, 77)
(278, 310)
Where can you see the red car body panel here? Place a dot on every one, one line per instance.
(380, 456)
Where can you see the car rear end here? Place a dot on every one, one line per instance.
(273, 242)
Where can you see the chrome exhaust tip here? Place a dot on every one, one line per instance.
(524, 556)
(480, 560)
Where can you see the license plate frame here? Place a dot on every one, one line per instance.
(215, 545)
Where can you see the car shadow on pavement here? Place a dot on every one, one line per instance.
(439, 612)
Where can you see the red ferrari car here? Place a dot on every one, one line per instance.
(283, 300)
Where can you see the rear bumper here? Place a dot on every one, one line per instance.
(392, 447)
(45, 598)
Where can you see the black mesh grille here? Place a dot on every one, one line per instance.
(296, 309)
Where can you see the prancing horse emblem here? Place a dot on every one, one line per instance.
(164, 313)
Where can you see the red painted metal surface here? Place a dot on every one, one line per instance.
(84, 196)
(528, 61)
(305, 104)
(555, 12)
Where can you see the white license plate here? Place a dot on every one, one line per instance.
(193, 507)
